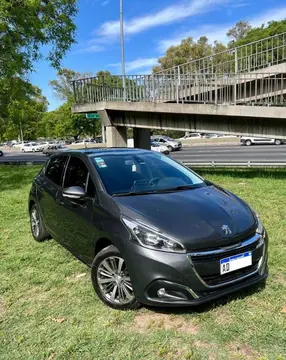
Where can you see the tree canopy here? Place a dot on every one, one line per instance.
(28, 25)
(30, 30)
(240, 34)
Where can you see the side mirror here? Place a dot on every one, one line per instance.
(74, 193)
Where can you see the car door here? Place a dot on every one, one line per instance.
(50, 186)
(76, 227)
(262, 141)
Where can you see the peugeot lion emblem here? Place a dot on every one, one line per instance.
(226, 230)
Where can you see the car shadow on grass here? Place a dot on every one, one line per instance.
(16, 177)
(204, 308)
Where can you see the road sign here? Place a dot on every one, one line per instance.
(92, 116)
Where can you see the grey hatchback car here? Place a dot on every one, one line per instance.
(152, 231)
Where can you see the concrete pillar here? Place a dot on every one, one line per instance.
(103, 133)
(142, 138)
(116, 136)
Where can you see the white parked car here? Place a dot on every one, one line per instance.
(248, 141)
(171, 144)
(159, 148)
(192, 136)
(31, 147)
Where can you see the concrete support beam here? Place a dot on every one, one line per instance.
(142, 138)
(116, 136)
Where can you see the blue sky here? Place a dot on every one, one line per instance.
(151, 26)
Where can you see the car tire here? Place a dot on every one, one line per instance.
(248, 142)
(109, 264)
(170, 148)
(23, 150)
(277, 142)
(33, 150)
(37, 225)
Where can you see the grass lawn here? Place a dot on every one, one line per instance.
(48, 309)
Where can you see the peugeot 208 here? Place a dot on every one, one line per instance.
(152, 230)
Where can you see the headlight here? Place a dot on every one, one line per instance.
(152, 238)
(260, 227)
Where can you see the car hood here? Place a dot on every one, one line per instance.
(194, 217)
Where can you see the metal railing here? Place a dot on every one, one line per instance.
(243, 164)
(245, 58)
(263, 89)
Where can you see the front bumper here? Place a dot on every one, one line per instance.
(177, 275)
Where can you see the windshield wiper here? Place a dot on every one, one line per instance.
(178, 188)
(158, 191)
(133, 193)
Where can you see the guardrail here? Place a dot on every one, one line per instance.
(248, 164)
(209, 164)
(245, 58)
(259, 89)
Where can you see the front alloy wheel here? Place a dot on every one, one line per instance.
(38, 229)
(111, 280)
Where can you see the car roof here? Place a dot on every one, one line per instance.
(104, 151)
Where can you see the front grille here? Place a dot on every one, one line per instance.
(207, 264)
(230, 252)
(213, 280)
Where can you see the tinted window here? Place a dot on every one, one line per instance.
(55, 168)
(76, 174)
(142, 172)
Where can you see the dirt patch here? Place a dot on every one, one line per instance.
(76, 277)
(152, 321)
(244, 351)
(281, 279)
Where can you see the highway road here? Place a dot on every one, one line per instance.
(201, 153)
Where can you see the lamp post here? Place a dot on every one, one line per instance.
(122, 50)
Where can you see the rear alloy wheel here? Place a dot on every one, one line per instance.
(38, 229)
(111, 280)
(277, 142)
(248, 142)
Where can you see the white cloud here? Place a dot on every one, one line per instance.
(104, 3)
(215, 32)
(91, 48)
(142, 63)
(165, 16)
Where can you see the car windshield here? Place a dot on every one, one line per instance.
(168, 138)
(143, 173)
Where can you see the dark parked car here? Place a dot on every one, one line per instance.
(152, 230)
(1, 153)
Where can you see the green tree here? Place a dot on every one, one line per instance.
(62, 86)
(187, 51)
(22, 106)
(61, 123)
(239, 31)
(27, 25)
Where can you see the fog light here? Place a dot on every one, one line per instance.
(161, 292)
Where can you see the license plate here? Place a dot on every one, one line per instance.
(235, 262)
